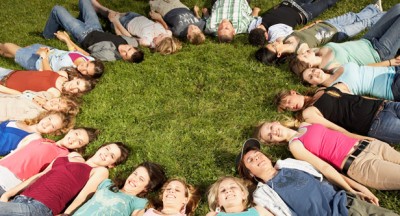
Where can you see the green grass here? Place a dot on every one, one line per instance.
(190, 111)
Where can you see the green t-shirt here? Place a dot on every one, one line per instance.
(105, 202)
(317, 35)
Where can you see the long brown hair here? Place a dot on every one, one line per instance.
(68, 121)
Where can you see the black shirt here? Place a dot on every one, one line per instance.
(281, 14)
(98, 36)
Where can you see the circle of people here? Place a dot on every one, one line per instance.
(341, 143)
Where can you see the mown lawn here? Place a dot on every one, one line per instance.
(190, 111)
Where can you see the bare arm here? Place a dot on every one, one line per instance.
(310, 25)
(387, 63)
(255, 11)
(100, 8)
(97, 176)
(64, 37)
(138, 212)
(43, 52)
(158, 18)
(358, 187)
(6, 90)
(25, 141)
(118, 27)
(196, 10)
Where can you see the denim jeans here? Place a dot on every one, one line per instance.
(78, 28)
(386, 124)
(350, 24)
(312, 8)
(24, 206)
(384, 35)
(127, 18)
(4, 72)
(27, 57)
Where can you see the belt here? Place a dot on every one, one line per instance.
(290, 3)
(361, 146)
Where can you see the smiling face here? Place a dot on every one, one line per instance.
(49, 124)
(273, 132)
(137, 181)
(56, 104)
(76, 85)
(126, 51)
(230, 194)
(307, 57)
(86, 68)
(314, 76)
(107, 155)
(75, 138)
(174, 194)
(256, 162)
(292, 102)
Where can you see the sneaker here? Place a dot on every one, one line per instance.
(378, 4)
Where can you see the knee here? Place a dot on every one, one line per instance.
(56, 9)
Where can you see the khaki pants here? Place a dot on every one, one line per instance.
(165, 6)
(377, 166)
(359, 207)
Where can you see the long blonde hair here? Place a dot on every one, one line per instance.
(168, 45)
(68, 121)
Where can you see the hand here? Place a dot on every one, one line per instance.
(196, 9)
(39, 100)
(113, 16)
(368, 138)
(368, 197)
(43, 52)
(394, 61)
(62, 36)
(4, 198)
(205, 12)
(155, 16)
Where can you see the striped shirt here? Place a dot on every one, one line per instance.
(236, 11)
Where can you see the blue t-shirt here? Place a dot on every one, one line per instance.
(305, 195)
(10, 137)
(179, 19)
(106, 202)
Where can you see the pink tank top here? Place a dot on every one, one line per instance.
(33, 158)
(329, 145)
(76, 55)
(60, 185)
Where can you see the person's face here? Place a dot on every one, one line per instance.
(314, 76)
(75, 86)
(277, 47)
(230, 194)
(49, 124)
(256, 162)
(137, 181)
(107, 155)
(174, 194)
(86, 68)
(126, 51)
(56, 104)
(307, 57)
(292, 102)
(192, 31)
(226, 28)
(75, 138)
(273, 132)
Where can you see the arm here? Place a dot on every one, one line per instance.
(312, 115)
(25, 141)
(119, 29)
(138, 212)
(158, 18)
(387, 63)
(255, 11)
(6, 90)
(96, 177)
(196, 10)
(361, 188)
(64, 37)
(43, 52)
(309, 26)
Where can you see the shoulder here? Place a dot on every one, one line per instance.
(99, 171)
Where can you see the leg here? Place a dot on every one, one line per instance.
(24, 206)
(386, 124)
(61, 18)
(8, 50)
(384, 34)
(350, 24)
(378, 166)
(27, 57)
(88, 15)
(316, 7)
(360, 208)
(99, 8)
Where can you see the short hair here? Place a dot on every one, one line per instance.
(197, 39)
(213, 192)
(137, 56)
(98, 68)
(257, 37)
(225, 38)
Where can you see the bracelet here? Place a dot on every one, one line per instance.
(390, 63)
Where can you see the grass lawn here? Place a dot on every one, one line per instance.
(189, 111)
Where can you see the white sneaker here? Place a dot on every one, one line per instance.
(378, 4)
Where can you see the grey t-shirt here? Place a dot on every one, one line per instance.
(179, 19)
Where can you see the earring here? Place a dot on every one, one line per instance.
(218, 209)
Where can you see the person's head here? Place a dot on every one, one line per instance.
(178, 193)
(225, 31)
(167, 45)
(63, 104)
(77, 86)
(195, 35)
(145, 178)
(314, 76)
(227, 193)
(258, 36)
(130, 53)
(93, 68)
(52, 122)
(251, 163)
(110, 154)
(289, 100)
(305, 60)
(78, 138)
(271, 132)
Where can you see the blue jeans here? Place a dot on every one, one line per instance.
(350, 24)
(24, 206)
(27, 57)
(384, 35)
(312, 8)
(78, 28)
(4, 72)
(127, 18)
(386, 124)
